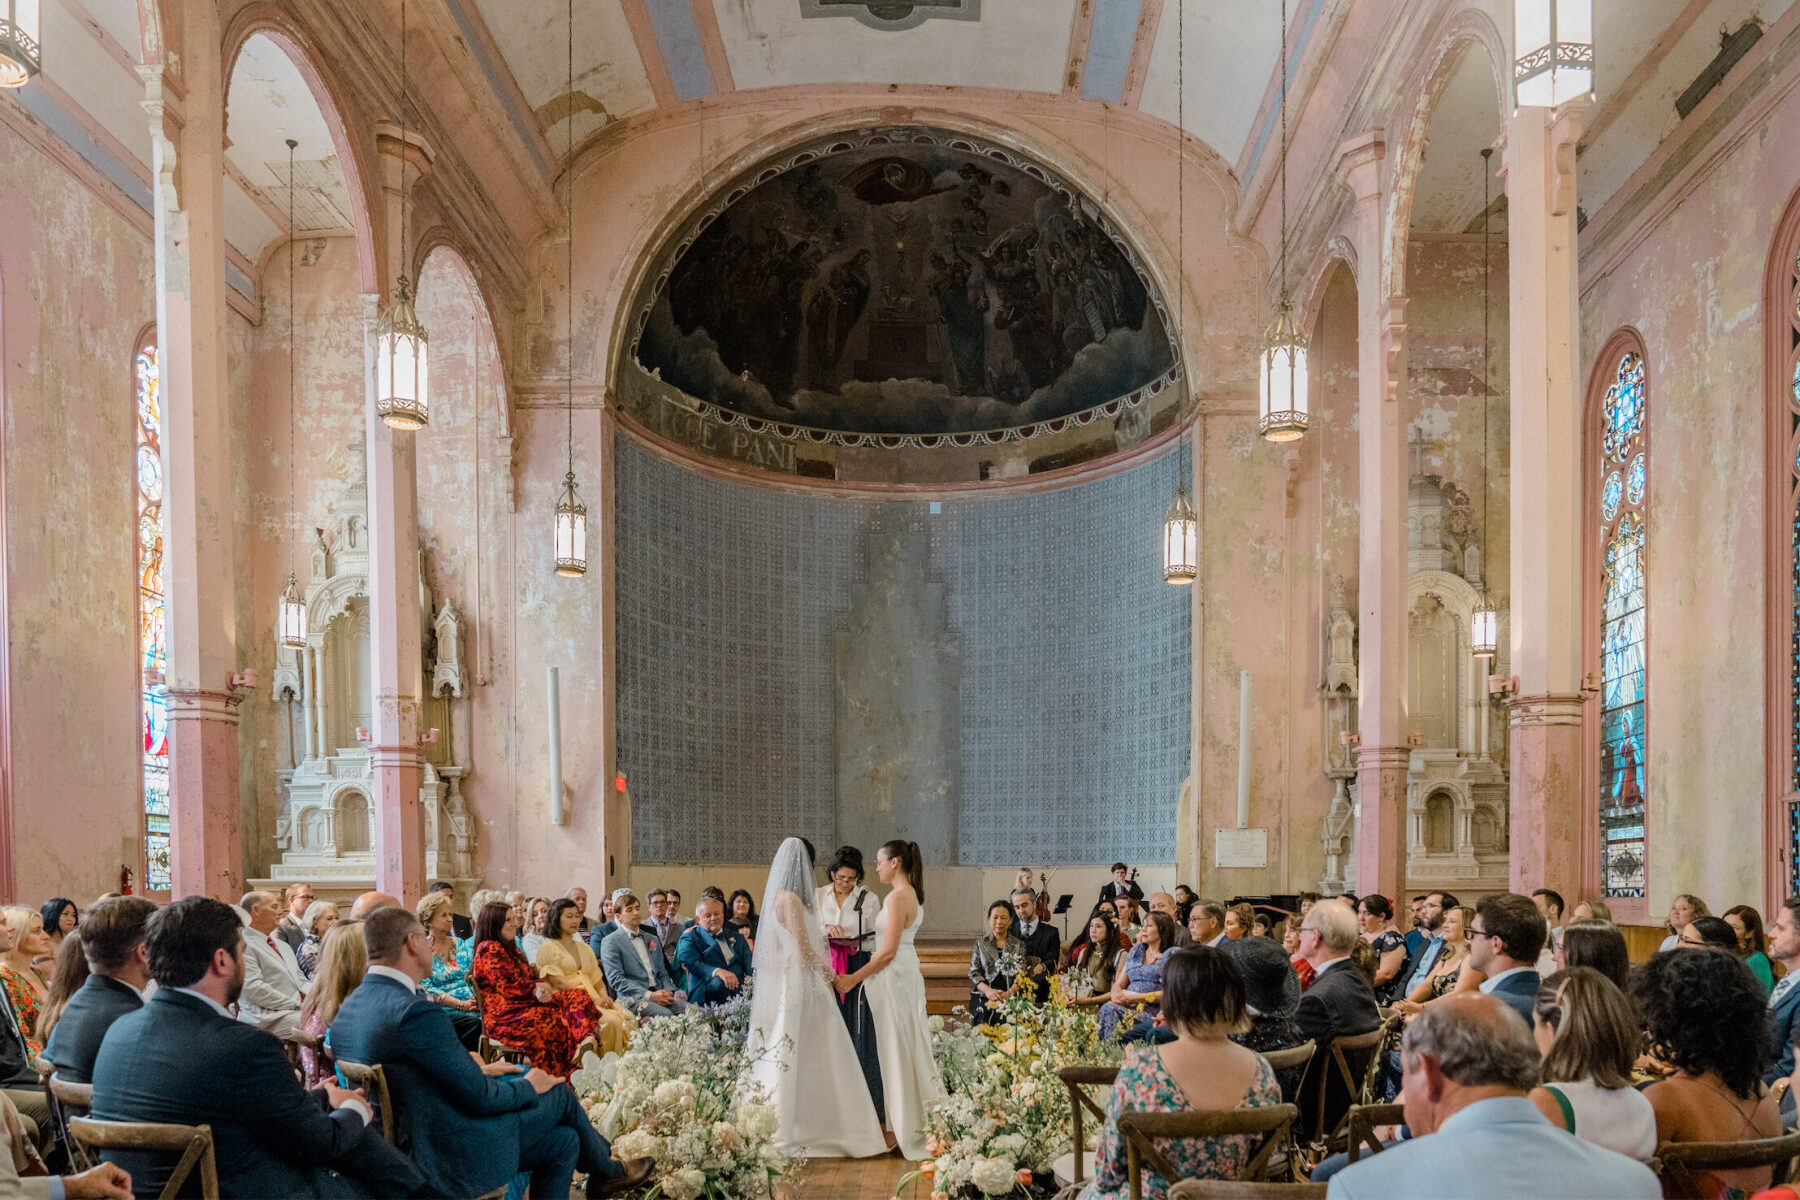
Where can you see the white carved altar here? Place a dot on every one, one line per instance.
(324, 697)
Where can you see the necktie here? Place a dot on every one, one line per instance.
(271, 942)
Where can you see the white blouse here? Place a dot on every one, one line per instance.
(844, 915)
(1616, 1119)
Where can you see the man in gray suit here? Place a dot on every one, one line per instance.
(1469, 1063)
(632, 959)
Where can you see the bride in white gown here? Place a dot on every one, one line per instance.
(799, 1051)
(910, 1081)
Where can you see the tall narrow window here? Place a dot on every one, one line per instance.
(152, 636)
(1624, 473)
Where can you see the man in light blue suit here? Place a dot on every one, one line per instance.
(1469, 1063)
(1784, 1002)
(632, 959)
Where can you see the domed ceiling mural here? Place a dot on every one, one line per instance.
(903, 280)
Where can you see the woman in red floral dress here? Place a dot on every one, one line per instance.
(517, 1009)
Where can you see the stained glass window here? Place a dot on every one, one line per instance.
(1623, 533)
(152, 635)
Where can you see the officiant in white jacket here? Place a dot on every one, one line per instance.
(274, 988)
(847, 912)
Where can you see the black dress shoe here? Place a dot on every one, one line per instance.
(637, 1174)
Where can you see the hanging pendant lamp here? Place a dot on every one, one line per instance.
(1285, 403)
(402, 375)
(1484, 622)
(1181, 528)
(290, 619)
(21, 54)
(571, 513)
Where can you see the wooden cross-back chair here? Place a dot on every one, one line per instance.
(1240, 1189)
(194, 1143)
(69, 1100)
(1361, 1122)
(1337, 1059)
(491, 1050)
(1077, 1080)
(1141, 1130)
(1679, 1162)
(373, 1082)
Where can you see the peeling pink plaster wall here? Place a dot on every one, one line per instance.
(78, 289)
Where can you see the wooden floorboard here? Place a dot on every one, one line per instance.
(852, 1179)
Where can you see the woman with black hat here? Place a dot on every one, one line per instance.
(1273, 991)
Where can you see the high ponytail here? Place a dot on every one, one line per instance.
(911, 861)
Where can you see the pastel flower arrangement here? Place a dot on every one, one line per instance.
(1005, 1118)
(675, 1098)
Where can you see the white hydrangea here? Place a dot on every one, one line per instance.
(757, 1121)
(639, 1143)
(683, 1184)
(994, 1176)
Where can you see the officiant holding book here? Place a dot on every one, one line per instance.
(847, 910)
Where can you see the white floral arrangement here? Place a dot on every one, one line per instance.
(675, 1098)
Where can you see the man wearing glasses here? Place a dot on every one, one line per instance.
(1340, 1002)
(1508, 934)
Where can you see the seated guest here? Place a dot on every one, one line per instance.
(1469, 1065)
(67, 973)
(579, 897)
(112, 944)
(368, 902)
(1094, 960)
(1126, 913)
(609, 920)
(341, 966)
(448, 983)
(182, 1059)
(1504, 944)
(1290, 945)
(1416, 937)
(1376, 916)
(743, 916)
(1307, 900)
(317, 921)
(1137, 988)
(1596, 944)
(1451, 972)
(989, 981)
(470, 1127)
(520, 1010)
(1550, 906)
(461, 926)
(19, 1057)
(1424, 960)
(1272, 995)
(1752, 943)
(1708, 933)
(60, 917)
(536, 927)
(1588, 1035)
(1784, 1001)
(1162, 902)
(566, 964)
(1239, 920)
(1263, 926)
(1702, 1012)
(104, 1180)
(273, 989)
(1042, 943)
(1591, 910)
(1184, 900)
(1121, 885)
(1340, 1002)
(714, 956)
(1682, 912)
(26, 987)
(292, 928)
(635, 969)
(656, 923)
(1206, 923)
(1201, 1070)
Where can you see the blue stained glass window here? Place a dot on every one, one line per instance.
(152, 631)
(1624, 667)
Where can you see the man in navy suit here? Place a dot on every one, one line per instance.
(183, 1059)
(1784, 1002)
(1504, 944)
(716, 960)
(1340, 1003)
(112, 940)
(601, 930)
(632, 959)
(470, 1127)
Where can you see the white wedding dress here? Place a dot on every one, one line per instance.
(910, 1082)
(799, 1052)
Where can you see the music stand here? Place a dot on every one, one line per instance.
(1062, 910)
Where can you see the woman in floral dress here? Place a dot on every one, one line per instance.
(519, 1010)
(1139, 981)
(448, 984)
(26, 989)
(1204, 1002)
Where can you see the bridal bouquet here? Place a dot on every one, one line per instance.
(674, 1097)
(1006, 1116)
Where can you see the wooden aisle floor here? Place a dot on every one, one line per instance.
(852, 1179)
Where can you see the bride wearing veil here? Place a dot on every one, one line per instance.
(799, 1051)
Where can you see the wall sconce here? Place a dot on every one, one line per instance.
(1346, 738)
(1590, 684)
(362, 735)
(1416, 738)
(1502, 685)
(429, 737)
(244, 681)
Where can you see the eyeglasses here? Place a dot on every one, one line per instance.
(1309, 929)
(1475, 933)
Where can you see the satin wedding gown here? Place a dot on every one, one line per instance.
(910, 1082)
(799, 1051)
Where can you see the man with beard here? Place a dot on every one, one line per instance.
(1431, 917)
(182, 1059)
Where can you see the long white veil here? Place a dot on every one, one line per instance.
(790, 936)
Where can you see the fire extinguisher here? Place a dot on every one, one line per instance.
(124, 880)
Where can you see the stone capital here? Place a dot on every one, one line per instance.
(1546, 708)
(204, 704)
(1359, 164)
(395, 756)
(1383, 758)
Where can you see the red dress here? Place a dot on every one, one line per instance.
(512, 1013)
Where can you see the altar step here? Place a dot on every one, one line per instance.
(945, 964)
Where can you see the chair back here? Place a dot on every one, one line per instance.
(1342, 1051)
(489, 1049)
(1360, 1124)
(1298, 1056)
(69, 1100)
(1678, 1162)
(1077, 1079)
(1140, 1130)
(1238, 1189)
(194, 1143)
(373, 1082)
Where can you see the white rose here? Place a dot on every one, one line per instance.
(685, 1184)
(935, 1024)
(994, 1176)
(636, 1144)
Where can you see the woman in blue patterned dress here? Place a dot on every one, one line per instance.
(1138, 984)
(448, 984)
(1204, 1003)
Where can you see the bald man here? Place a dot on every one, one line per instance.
(368, 902)
(1164, 903)
(274, 988)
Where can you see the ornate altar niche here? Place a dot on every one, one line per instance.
(1456, 791)
(324, 691)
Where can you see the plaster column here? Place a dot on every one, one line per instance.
(1381, 760)
(309, 697)
(185, 97)
(1546, 815)
(394, 603)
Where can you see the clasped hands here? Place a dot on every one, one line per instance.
(725, 977)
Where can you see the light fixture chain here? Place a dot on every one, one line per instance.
(293, 351)
(1284, 155)
(1187, 385)
(1486, 386)
(569, 218)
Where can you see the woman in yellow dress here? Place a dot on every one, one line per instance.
(565, 962)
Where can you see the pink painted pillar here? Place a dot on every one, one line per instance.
(188, 158)
(1381, 760)
(395, 622)
(1547, 826)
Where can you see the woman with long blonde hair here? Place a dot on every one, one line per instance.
(342, 962)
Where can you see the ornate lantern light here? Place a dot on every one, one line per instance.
(402, 376)
(1554, 41)
(1181, 528)
(290, 618)
(571, 513)
(571, 531)
(1285, 409)
(1484, 621)
(21, 54)
(1181, 540)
